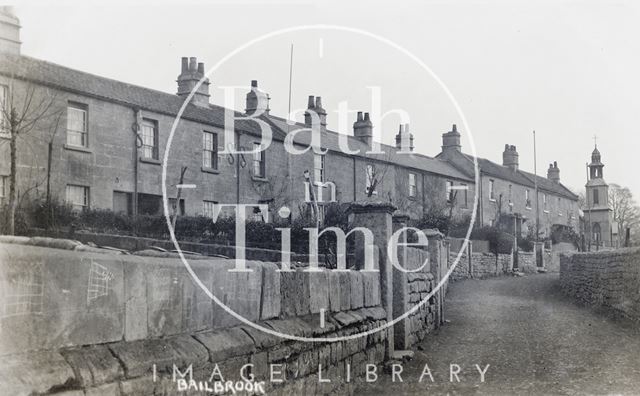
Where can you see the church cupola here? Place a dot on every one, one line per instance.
(596, 165)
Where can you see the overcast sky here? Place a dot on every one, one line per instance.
(568, 69)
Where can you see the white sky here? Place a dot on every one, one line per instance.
(568, 69)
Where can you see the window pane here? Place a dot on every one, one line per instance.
(76, 119)
(78, 196)
(149, 139)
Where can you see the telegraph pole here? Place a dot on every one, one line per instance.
(586, 197)
(535, 183)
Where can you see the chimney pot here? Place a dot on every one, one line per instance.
(254, 83)
(454, 128)
(191, 74)
(310, 104)
(406, 128)
(366, 117)
(318, 102)
(401, 129)
(359, 118)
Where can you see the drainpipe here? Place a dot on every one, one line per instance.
(237, 145)
(424, 202)
(137, 143)
(354, 180)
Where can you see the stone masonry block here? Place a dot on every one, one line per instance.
(319, 291)
(271, 299)
(94, 365)
(224, 344)
(294, 293)
(334, 291)
(371, 284)
(345, 291)
(357, 289)
(239, 291)
(34, 373)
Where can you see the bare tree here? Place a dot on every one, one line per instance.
(176, 206)
(625, 210)
(23, 110)
(375, 175)
(272, 191)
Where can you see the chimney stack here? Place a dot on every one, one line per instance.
(363, 128)
(553, 173)
(404, 139)
(257, 101)
(191, 73)
(451, 141)
(315, 108)
(9, 31)
(510, 157)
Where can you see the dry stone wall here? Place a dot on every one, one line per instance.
(608, 279)
(480, 265)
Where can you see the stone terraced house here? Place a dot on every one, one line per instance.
(108, 145)
(507, 193)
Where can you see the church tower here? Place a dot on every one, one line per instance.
(598, 220)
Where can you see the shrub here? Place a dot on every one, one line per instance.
(434, 219)
(499, 241)
(565, 234)
(105, 221)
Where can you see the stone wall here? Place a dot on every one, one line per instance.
(527, 262)
(609, 279)
(553, 255)
(96, 322)
(133, 244)
(414, 292)
(480, 265)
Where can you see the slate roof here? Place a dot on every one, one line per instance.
(330, 141)
(70, 80)
(519, 177)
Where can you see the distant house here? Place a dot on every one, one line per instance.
(508, 194)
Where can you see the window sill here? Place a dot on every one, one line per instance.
(77, 148)
(528, 208)
(209, 170)
(492, 200)
(259, 179)
(152, 161)
(545, 211)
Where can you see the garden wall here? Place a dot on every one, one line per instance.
(106, 323)
(609, 279)
(133, 244)
(480, 265)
